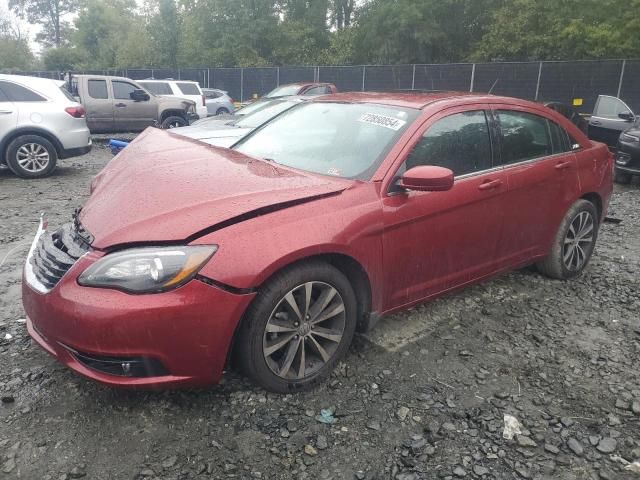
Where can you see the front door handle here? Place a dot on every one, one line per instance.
(595, 122)
(490, 185)
(563, 165)
(120, 105)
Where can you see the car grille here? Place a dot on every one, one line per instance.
(56, 253)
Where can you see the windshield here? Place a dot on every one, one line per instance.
(257, 105)
(340, 139)
(262, 115)
(283, 91)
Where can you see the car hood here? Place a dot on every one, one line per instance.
(218, 134)
(167, 188)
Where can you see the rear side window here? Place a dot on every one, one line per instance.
(157, 88)
(524, 136)
(323, 90)
(559, 138)
(459, 142)
(98, 89)
(18, 93)
(610, 107)
(188, 88)
(212, 94)
(122, 90)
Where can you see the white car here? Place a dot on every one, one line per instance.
(225, 132)
(40, 122)
(178, 88)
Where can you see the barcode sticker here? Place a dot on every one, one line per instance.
(382, 121)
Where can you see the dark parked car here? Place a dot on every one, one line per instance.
(628, 154)
(339, 211)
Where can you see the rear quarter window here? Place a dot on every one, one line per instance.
(188, 88)
(159, 88)
(18, 93)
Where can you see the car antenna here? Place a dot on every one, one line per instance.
(493, 86)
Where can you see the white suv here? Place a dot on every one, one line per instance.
(39, 123)
(178, 88)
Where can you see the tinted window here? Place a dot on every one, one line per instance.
(284, 91)
(18, 93)
(610, 107)
(158, 88)
(122, 90)
(188, 88)
(212, 94)
(3, 97)
(524, 136)
(559, 138)
(317, 91)
(459, 142)
(98, 89)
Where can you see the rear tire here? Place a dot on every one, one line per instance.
(574, 243)
(31, 156)
(174, 122)
(285, 351)
(222, 111)
(622, 177)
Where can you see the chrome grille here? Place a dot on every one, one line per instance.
(56, 253)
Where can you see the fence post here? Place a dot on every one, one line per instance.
(278, 77)
(413, 78)
(624, 65)
(538, 84)
(364, 76)
(473, 77)
(242, 85)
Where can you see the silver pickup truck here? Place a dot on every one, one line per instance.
(118, 104)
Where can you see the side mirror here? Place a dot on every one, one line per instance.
(139, 95)
(628, 116)
(427, 179)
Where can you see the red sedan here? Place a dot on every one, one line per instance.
(337, 212)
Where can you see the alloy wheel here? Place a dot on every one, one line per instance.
(33, 157)
(578, 241)
(304, 330)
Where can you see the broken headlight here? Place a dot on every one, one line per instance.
(147, 270)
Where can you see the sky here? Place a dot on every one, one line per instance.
(26, 29)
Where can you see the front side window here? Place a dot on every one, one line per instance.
(459, 142)
(18, 93)
(610, 107)
(122, 90)
(98, 89)
(339, 139)
(316, 91)
(525, 136)
(188, 88)
(157, 88)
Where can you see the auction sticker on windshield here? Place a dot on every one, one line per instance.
(382, 121)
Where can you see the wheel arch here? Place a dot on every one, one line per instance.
(11, 136)
(172, 112)
(594, 198)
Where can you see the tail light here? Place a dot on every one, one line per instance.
(76, 112)
(204, 101)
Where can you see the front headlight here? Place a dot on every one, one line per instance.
(630, 138)
(148, 269)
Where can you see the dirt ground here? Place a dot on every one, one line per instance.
(422, 397)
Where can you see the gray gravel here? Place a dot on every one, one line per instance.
(560, 357)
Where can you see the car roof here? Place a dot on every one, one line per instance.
(157, 80)
(414, 99)
(33, 82)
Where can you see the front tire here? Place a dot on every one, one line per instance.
(222, 111)
(298, 328)
(174, 122)
(574, 243)
(31, 156)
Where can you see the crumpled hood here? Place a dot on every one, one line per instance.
(218, 134)
(164, 187)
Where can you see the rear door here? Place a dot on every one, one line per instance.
(606, 124)
(98, 105)
(130, 114)
(543, 180)
(8, 114)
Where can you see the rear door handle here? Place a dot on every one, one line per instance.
(120, 105)
(490, 185)
(563, 165)
(595, 122)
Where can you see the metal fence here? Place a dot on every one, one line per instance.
(540, 81)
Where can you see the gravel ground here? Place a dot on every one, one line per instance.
(562, 358)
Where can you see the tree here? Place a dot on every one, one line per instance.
(62, 59)
(342, 13)
(15, 53)
(49, 14)
(165, 33)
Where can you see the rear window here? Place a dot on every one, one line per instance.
(157, 88)
(66, 93)
(98, 89)
(18, 93)
(188, 88)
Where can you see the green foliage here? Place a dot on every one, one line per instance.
(50, 15)
(62, 59)
(15, 53)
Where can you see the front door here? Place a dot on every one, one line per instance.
(132, 114)
(606, 125)
(434, 241)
